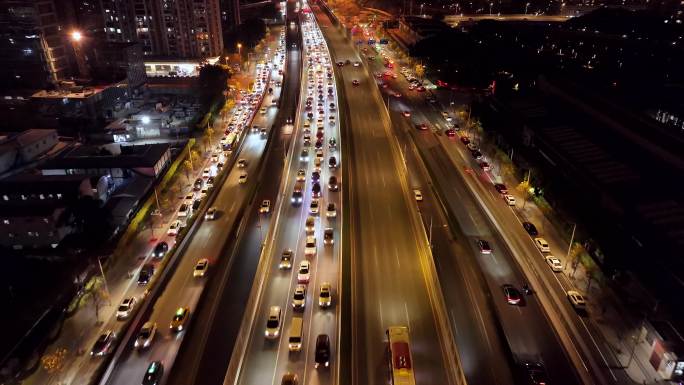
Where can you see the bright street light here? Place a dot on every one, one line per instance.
(76, 36)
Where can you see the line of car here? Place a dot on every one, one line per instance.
(319, 95)
(145, 336)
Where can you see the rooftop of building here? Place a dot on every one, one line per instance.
(31, 183)
(69, 93)
(23, 138)
(89, 157)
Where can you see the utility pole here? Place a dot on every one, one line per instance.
(104, 280)
(572, 239)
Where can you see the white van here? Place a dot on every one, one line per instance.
(295, 340)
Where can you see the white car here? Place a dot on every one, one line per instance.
(576, 300)
(418, 195)
(299, 297)
(214, 158)
(314, 206)
(265, 207)
(145, 335)
(242, 179)
(206, 173)
(325, 295)
(126, 308)
(201, 268)
(310, 246)
(304, 272)
(241, 163)
(174, 228)
(554, 263)
(203, 193)
(510, 199)
(210, 214)
(273, 322)
(542, 245)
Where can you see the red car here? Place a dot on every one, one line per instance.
(406, 114)
(422, 126)
(484, 166)
(450, 132)
(355, 82)
(465, 140)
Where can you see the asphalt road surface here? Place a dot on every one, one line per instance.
(389, 285)
(451, 164)
(267, 360)
(184, 290)
(204, 360)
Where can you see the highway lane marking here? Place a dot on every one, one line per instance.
(382, 321)
(597, 348)
(453, 321)
(408, 319)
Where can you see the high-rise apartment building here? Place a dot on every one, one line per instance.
(230, 14)
(33, 44)
(178, 28)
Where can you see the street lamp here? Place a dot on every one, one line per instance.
(526, 5)
(421, 10)
(76, 39)
(76, 36)
(490, 8)
(239, 47)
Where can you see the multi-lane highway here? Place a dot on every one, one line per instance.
(184, 289)
(468, 193)
(527, 333)
(391, 281)
(204, 358)
(266, 360)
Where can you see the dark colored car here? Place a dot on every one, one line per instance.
(322, 357)
(476, 154)
(512, 294)
(160, 250)
(484, 246)
(316, 189)
(332, 162)
(530, 228)
(332, 183)
(154, 373)
(501, 188)
(198, 184)
(536, 375)
(196, 204)
(145, 274)
(104, 344)
(315, 176)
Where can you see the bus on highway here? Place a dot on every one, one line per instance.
(401, 363)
